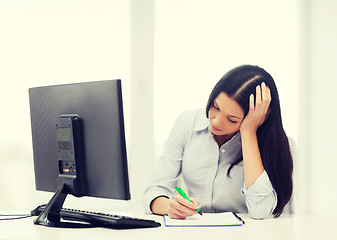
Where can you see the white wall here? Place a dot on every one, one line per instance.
(45, 42)
(317, 159)
(141, 144)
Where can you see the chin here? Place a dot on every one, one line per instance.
(222, 133)
(218, 133)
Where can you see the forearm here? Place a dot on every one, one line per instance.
(252, 162)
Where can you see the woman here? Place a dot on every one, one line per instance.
(236, 157)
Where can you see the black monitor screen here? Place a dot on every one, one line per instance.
(99, 110)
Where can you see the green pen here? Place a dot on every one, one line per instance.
(183, 194)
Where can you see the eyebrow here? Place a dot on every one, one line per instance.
(214, 102)
(234, 116)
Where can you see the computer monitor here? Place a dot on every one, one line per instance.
(78, 143)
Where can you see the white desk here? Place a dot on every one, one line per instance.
(286, 227)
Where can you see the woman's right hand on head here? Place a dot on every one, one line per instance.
(180, 208)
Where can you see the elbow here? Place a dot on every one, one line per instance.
(259, 214)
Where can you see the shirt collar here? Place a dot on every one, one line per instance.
(201, 121)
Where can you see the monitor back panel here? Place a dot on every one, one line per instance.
(99, 105)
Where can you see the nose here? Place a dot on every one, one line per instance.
(217, 120)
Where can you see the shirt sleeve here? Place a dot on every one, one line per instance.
(168, 168)
(261, 198)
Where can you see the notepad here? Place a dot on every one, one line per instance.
(224, 219)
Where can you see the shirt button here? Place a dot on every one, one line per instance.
(223, 150)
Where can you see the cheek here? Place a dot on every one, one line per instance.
(233, 128)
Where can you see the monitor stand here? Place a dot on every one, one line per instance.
(50, 216)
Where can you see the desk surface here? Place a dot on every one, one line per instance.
(286, 227)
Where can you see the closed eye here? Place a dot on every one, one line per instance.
(232, 120)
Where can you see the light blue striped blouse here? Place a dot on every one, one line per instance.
(192, 152)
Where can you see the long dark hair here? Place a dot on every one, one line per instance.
(273, 143)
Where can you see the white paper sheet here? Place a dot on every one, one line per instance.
(206, 220)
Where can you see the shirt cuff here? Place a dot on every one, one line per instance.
(261, 198)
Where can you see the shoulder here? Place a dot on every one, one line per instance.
(194, 119)
(191, 113)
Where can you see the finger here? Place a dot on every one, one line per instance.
(185, 202)
(269, 93)
(175, 212)
(184, 206)
(266, 97)
(175, 216)
(251, 101)
(266, 94)
(264, 91)
(258, 95)
(268, 100)
(195, 201)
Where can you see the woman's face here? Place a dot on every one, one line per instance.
(225, 115)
